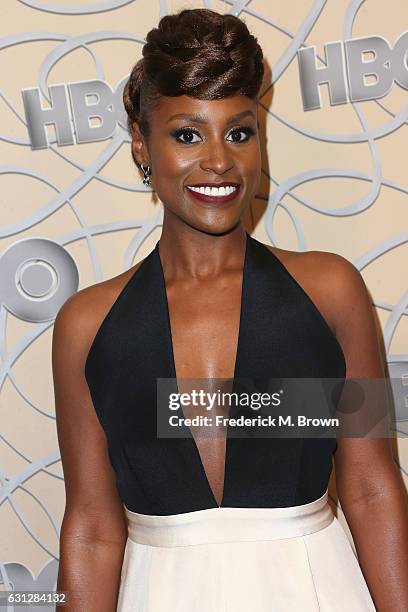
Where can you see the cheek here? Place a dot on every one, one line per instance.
(173, 163)
(249, 163)
(250, 168)
(170, 171)
(257, 161)
(173, 177)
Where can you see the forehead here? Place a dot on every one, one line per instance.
(214, 111)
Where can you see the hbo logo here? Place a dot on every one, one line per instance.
(71, 111)
(347, 78)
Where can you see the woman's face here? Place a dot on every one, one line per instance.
(205, 159)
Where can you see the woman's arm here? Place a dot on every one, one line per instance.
(369, 483)
(374, 502)
(93, 531)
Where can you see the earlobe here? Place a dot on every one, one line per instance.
(137, 146)
(144, 167)
(136, 156)
(139, 152)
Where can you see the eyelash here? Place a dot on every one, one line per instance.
(189, 130)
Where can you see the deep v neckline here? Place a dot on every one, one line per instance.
(172, 365)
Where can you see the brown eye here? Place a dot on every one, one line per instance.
(185, 135)
(237, 132)
(188, 135)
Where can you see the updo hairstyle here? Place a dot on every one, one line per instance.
(198, 53)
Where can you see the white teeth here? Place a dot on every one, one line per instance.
(214, 191)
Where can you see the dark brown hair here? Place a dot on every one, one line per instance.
(196, 52)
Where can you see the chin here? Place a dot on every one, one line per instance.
(216, 228)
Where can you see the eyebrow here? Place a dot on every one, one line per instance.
(197, 118)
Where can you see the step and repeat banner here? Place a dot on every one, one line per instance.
(333, 111)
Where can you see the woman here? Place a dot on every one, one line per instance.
(190, 524)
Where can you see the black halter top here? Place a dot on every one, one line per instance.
(281, 334)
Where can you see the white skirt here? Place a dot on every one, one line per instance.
(242, 559)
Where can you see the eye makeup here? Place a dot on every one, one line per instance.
(178, 133)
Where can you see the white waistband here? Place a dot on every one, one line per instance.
(225, 524)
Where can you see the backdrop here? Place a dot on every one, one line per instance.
(74, 211)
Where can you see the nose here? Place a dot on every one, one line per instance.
(217, 158)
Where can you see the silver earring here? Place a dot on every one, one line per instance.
(146, 175)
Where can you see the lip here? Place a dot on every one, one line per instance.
(224, 184)
(215, 199)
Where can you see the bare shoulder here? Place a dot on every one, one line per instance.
(313, 261)
(323, 275)
(83, 312)
(94, 510)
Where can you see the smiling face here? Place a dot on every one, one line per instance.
(205, 159)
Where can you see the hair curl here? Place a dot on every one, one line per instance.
(196, 52)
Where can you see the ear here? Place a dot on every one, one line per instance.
(139, 148)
